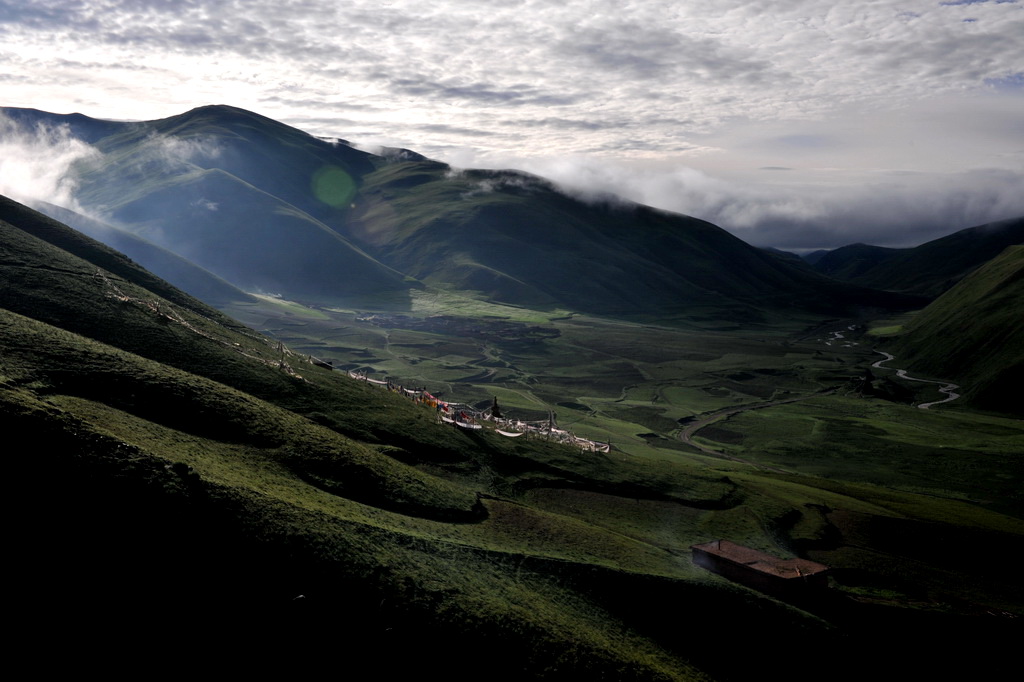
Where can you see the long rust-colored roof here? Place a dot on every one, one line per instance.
(766, 563)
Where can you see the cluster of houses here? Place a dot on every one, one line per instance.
(464, 416)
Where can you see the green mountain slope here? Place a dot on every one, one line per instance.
(192, 481)
(928, 269)
(270, 208)
(178, 469)
(173, 183)
(317, 176)
(252, 238)
(166, 180)
(972, 334)
(518, 239)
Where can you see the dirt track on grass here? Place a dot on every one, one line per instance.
(690, 430)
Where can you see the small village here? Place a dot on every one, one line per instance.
(463, 416)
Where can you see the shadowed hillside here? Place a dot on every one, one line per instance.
(180, 472)
(186, 470)
(972, 334)
(928, 269)
(176, 183)
(853, 262)
(516, 238)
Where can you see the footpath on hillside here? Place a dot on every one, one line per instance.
(687, 434)
(690, 430)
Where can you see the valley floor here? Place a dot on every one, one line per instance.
(787, 415)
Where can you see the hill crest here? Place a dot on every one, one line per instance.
(268, 207)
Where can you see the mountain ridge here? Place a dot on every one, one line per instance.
(253, 200)
(928, 269)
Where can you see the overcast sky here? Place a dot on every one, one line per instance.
(792, 123)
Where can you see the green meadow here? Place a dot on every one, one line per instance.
(819, 475)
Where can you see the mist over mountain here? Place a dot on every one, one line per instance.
(272, 209)
(167, 265)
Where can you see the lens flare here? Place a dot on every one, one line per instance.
(333, 186)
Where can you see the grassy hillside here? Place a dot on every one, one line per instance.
(249, 237)
(517, 239)
(184, 496)
(316, 176)
(972, 334)
(188, 471)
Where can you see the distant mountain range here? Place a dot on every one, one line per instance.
(268, 208)
(928, 269)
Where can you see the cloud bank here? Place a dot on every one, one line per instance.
(846, 97)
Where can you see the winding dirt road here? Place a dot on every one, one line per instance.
(686, 435)
(688, 432)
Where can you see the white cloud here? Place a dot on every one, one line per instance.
(177, 151)
(35, 162)
(722, 88)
